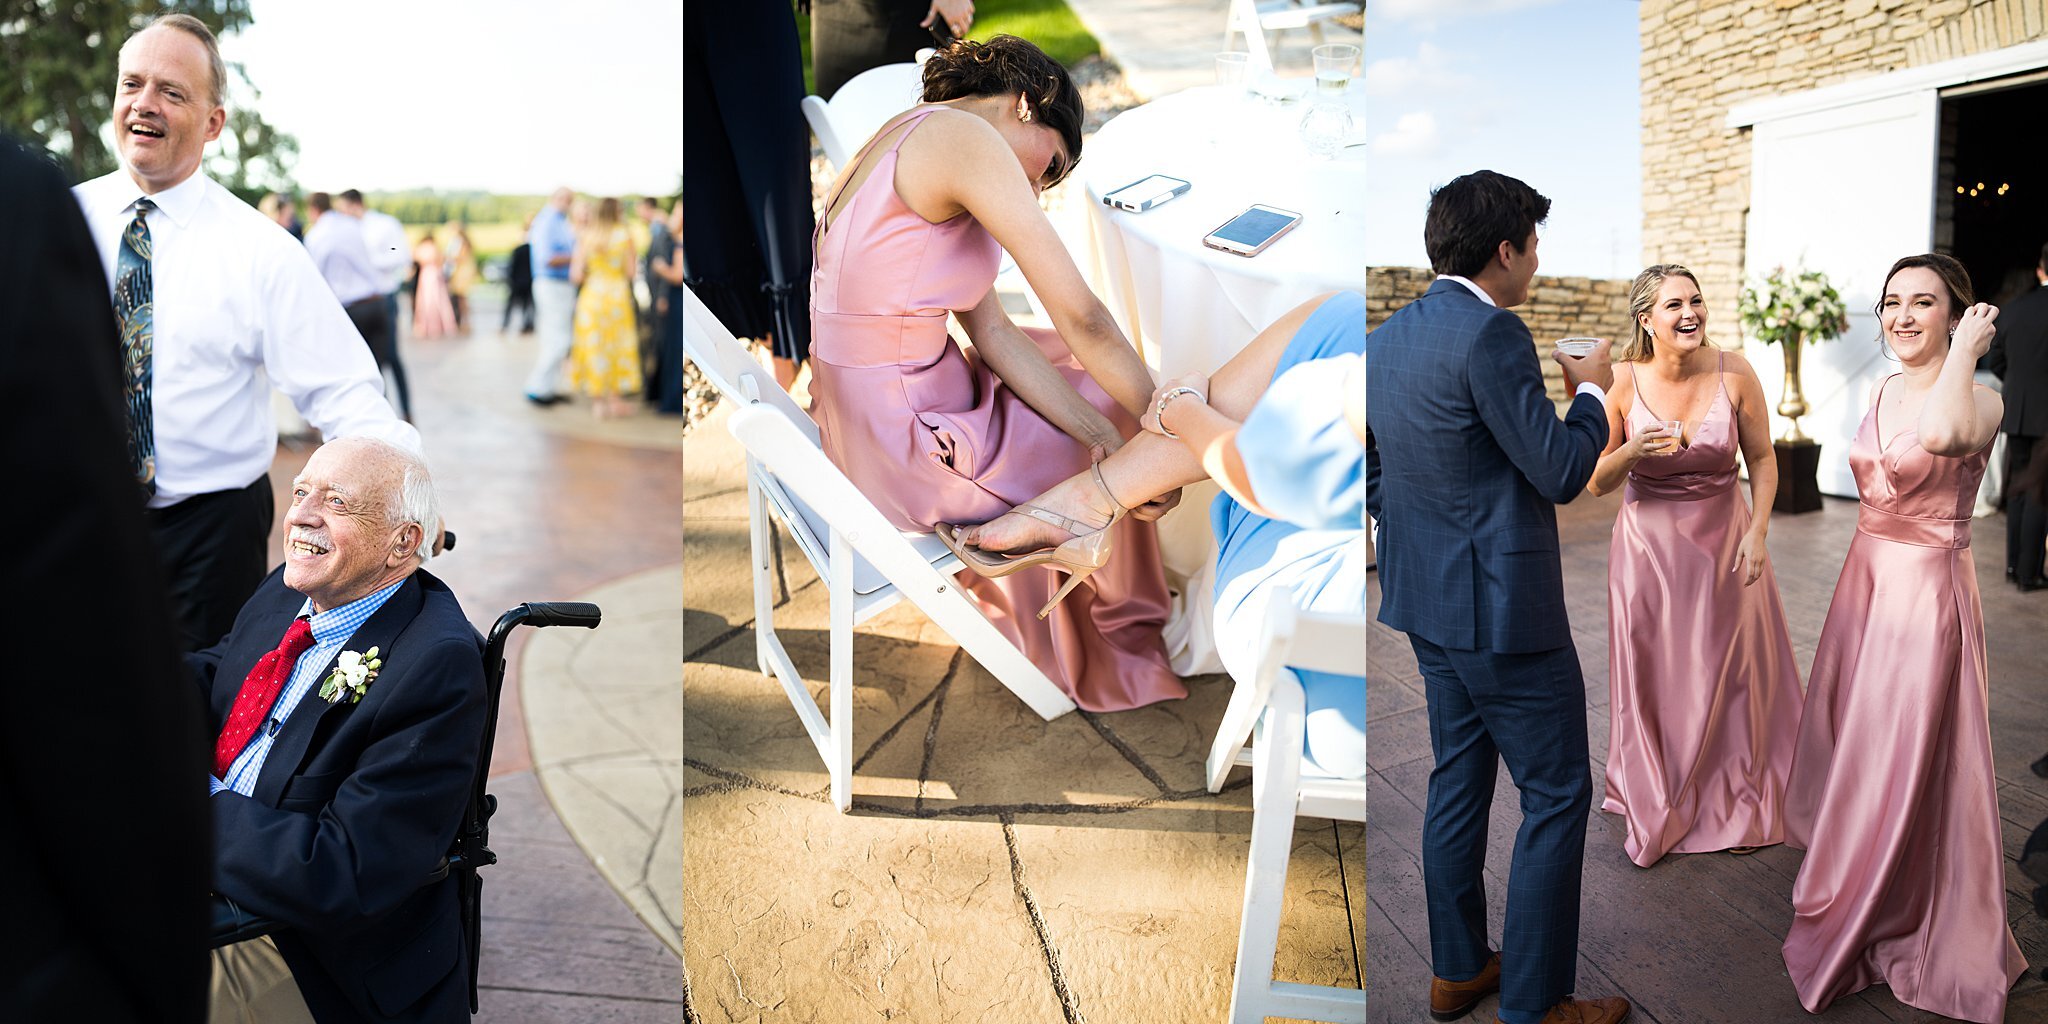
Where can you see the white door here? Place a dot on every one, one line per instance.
(1846, 190)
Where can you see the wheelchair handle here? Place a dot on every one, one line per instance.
(560, 613)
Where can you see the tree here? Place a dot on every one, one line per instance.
(58, 63)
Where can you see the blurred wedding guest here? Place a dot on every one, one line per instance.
(1892, 792)
(656, 221)
(460, 264)
(746, 155)
(241, 297)
(280, 208)
(935, 438)
(335, 241)
(391, 254)
(2019, 356)
(604, 363)
(98, 930)
(553, 243)
(519, 284)
(433, 315)
(851, 36)
(1705, 692)
(1290, 523)
(666, 266)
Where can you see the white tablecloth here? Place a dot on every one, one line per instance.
(1190, 308)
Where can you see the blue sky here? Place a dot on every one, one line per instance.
(514, 96)
(1544, 90)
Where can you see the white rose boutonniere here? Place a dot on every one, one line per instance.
(351, 676)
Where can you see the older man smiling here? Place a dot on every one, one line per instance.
(348, 704)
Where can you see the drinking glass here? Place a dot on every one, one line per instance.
(1324, 129)
(1579, 348)
(1334, 62)
(1231, 68)
(1677, 429)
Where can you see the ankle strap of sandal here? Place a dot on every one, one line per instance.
(1073, 526)
(1096, 468)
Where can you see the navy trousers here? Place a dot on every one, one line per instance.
(1530, 711)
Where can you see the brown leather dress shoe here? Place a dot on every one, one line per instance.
(1611, 1010)
(1450, 1000)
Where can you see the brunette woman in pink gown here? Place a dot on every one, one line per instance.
(1704, 690)
(1892, 793)
(933, 433)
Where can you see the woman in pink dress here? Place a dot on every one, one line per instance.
(932, 433)
(1892, 793)
(1704, 689)
(433, 315)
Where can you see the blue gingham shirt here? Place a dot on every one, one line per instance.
(331, 629)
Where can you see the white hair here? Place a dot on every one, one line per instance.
(415, 501)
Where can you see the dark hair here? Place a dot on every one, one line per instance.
(351, 196)
(318, 201)
(1946, 267)
(1008, 64)
(1471, 216)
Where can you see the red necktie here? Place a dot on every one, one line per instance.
(259, 691)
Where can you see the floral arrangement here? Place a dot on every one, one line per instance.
(1800, 305)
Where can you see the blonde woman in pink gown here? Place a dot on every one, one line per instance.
(935, 434)
(433, 316)
(1892, 793)
(1704, 691)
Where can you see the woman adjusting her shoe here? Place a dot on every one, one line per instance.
(934, 433)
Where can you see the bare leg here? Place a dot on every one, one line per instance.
(1148, 465)
(785, 372)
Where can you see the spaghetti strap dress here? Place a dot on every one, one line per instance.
(1704, 690)
(1892, 793)
(931, 435)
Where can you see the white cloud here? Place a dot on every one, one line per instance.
(1430, 71)
(1414, 135)
(1433, 11)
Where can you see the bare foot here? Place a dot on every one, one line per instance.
(1077, 497)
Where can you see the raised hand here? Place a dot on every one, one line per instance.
(1974, 331)
(959, 15)
(1593, 367)
(1654, 439)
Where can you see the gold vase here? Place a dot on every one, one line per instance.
(1794, 405)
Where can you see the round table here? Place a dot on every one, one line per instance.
(1188, 307)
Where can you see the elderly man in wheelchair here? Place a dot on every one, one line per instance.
(350, 706)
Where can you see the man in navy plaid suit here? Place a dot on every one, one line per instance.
(1469, 463)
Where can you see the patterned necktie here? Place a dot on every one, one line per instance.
(134, 291)
(259, 691)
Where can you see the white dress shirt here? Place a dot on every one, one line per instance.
(335, 241)
(390, 250)
(1587, 388)
(239, 307)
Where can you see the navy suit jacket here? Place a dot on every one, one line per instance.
(1468, 464)
(2019, 355)
(355, 807)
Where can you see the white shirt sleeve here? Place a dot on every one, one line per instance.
(314, 355)
(1590, 388)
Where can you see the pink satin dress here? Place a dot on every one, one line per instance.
(931, 435)
(1892, 793)
(1704, 689)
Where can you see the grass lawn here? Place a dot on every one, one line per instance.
(1047, 23)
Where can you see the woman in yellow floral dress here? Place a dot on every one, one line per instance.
(605, 362)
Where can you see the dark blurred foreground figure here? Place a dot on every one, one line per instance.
(747, 157)
(851, 36)
(104, 850)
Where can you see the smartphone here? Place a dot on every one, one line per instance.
(1250, 232)
(942, 33)
(1146, 193)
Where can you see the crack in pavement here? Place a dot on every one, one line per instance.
(931, 729)
(1130, 754)
(1068, 1007)
(890, 733)
(1350, 925)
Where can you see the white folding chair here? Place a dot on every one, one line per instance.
(866, 563)
(1254, 18)
(1270, 705)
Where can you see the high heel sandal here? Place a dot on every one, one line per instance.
(1080, 555)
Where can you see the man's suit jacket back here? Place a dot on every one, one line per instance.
(1471, 461)
(356, 805)
(2019, 355)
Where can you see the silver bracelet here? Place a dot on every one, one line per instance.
(1159, 411)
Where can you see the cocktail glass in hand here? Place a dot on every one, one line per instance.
(1579, 348)
(1677, 430)
(1334, 63)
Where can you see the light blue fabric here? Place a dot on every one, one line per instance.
(331, 629)
(550, 237)
(1306, 465)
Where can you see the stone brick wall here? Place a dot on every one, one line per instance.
(1700, 57)
(1558, 307)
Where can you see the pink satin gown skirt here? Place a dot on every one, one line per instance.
(1892, 791)
(1704, 690)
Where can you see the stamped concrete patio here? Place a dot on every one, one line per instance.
(994, 867)
(1695, 938)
